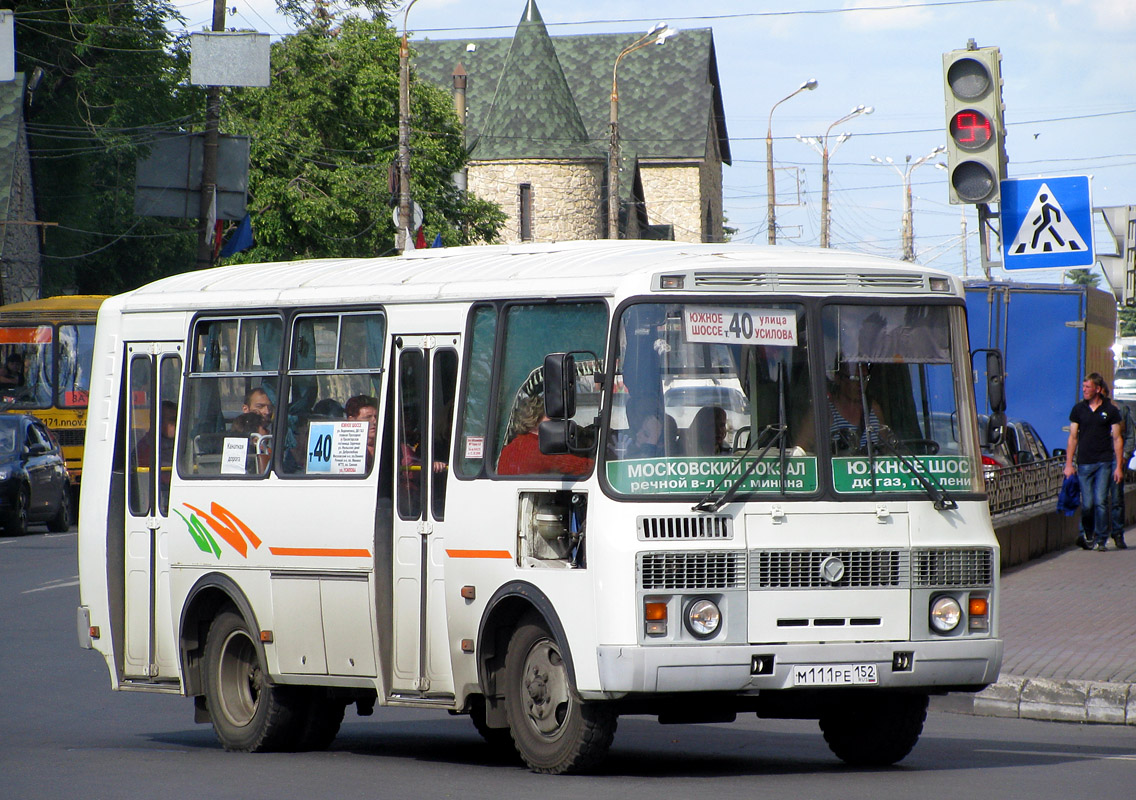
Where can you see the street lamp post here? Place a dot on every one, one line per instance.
(907, 226)
(820, 144)
(657, 35)
(771, 191)
(404, 202)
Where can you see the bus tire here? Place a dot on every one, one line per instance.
(321, 718)
(249, 713)
(875, 730)
(554, 731)
(16, 521)
(61, 522)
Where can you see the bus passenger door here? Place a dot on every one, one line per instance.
(425, 385)
(151, 395)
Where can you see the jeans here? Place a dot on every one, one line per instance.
(1095, 479)
(1116, 504)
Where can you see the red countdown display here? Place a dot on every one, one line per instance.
(970, 129)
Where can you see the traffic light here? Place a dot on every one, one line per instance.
(976, 133)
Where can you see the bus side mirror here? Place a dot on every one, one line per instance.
(995, 382)
(556, 436)
(559, 386)
(996, 428)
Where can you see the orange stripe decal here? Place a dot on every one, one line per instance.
(227, 516)
(479, 554)
(326, 552)
(224, 531)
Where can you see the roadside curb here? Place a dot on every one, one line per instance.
(1044, 699)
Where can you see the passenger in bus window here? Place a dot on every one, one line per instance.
(365, 407)
(167, 426)
(257, 401)
(12, 371)
(521, 454)
(708, 432)
(849, 428)
(255, 427)
(647, 428)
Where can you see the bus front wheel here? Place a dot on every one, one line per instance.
(554, 730)
(249, 713)
(875, 730)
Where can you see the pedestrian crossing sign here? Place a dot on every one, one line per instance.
(1047, 222)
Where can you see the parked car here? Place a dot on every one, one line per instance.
(1020, 445)
(33, 477)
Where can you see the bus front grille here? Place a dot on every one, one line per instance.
(69, 437)
(952, 567)
(824, 569)
(719, 569)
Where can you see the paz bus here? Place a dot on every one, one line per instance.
(493, 480)
(45, 366)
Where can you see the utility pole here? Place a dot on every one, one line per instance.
(208, 215)
(403, 238)
(963, 215)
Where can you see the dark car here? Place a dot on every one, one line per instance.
(33, 476)
(1021, 444)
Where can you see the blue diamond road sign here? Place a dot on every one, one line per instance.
(1047, 222)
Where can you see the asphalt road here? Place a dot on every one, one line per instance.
(64, 734)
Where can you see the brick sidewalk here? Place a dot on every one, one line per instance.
(1072, 616)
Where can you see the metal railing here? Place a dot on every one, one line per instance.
(1018, 488)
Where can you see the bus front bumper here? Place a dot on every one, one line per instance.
(746, 668)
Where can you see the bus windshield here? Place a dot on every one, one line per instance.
(702, 390)
(27, 360)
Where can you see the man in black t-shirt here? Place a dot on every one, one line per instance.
(1094, 436)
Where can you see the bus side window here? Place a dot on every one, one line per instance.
(474, 423)
(334, 374)
(234, 370)
(531, 332)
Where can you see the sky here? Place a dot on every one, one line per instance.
(1067, 68)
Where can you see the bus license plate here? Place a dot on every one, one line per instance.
(835, 675)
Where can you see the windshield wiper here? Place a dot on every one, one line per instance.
(940, 499)
(709, 503)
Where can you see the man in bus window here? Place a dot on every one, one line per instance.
(365, 407)
(258, 402)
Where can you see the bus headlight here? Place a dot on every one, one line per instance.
(703, 618)
(946, 613)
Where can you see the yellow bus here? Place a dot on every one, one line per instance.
(45, 366)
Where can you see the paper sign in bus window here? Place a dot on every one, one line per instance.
(726, 325)
(233, 456)
(337, 447)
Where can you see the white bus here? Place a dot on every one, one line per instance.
(404, 482)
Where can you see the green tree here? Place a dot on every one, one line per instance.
(1082, 277)
(1126, 317)
(324, 138)
(106, 76)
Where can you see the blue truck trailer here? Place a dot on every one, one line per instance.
(1051, 337)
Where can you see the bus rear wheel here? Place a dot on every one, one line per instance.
(875, 730)
(249, 713)
(554, 731)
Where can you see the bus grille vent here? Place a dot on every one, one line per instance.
(953, 567)
(805, 569)
(668, 528)
(720, 569)
(811, 281)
